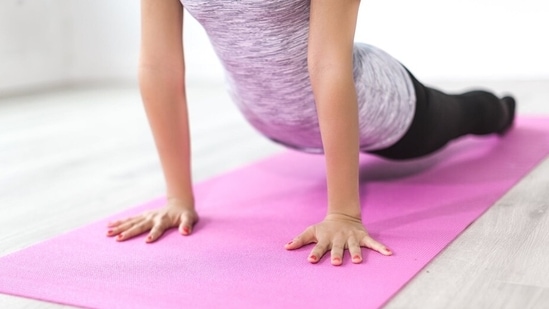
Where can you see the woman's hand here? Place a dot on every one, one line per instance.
(174, 214)
(337, 232)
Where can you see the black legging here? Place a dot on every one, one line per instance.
(440, 118)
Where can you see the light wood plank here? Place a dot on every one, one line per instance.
(500, 261)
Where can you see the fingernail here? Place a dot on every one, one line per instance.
(120, 236)
(149, 238)
(109, 232)
(291, 242)
(388, 249)
(186, 230)
(356, 257)
(312, 257)
(336, 260)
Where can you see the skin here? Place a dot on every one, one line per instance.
(162, 85)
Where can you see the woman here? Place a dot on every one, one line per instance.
(297, 76)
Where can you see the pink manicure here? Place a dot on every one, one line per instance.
(186, 230)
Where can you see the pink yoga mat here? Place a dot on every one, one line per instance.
(236, 257)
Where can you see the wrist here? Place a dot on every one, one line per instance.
(343, 216)
(351, 210)
(182, 194)
(185, 202)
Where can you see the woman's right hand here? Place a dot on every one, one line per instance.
(174, 214)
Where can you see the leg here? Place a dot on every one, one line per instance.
(440, 118)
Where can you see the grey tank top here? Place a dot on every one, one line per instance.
(263, 48)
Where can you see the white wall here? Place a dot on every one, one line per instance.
(45, 42)
(467, 39)
(105, 39)
(33, 45)
(54, 42)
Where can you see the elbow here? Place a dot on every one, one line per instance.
(160, 65)
(328, 68)
(317, 66)
(159, 75)
(320, 71)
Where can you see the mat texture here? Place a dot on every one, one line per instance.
(236, 257)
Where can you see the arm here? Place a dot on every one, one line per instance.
(330, 57)
(330, 60)
(162, 85)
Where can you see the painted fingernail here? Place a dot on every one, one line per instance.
(313, 258)
(356, 257)
(186, 230)
(336, 260)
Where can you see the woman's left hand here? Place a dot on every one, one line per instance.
(337, 232)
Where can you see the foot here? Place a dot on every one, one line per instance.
(509, 103)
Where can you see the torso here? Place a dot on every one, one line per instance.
(263, 48)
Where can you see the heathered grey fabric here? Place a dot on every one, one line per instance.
(263, 48)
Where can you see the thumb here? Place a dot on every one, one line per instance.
(186, 225)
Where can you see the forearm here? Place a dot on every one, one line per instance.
(164, 99)
(330, 60)
(338, 117)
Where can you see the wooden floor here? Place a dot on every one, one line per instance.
(73, 156)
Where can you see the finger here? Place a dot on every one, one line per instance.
(354, 250)
(373, 244)
(338, 247)
(186, 225)
(318, 251)
(156, 231)
(136, 230)
(124, 226)
(303, 239)
(119, 222)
